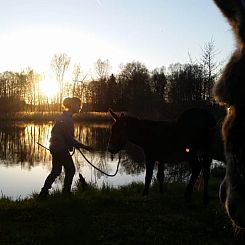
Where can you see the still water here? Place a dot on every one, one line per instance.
(24, 165)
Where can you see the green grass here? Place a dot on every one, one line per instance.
(117, 216)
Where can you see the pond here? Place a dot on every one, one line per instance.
(24, 164)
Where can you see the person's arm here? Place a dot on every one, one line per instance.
(70, 138)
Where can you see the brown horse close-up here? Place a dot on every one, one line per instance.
(188, 139)
(230, 92)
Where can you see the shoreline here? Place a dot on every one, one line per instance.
(50, 116)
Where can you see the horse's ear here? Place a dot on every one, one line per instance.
(113, 114)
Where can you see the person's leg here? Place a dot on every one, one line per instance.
(55, 172)
(69, 172)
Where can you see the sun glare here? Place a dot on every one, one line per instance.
(83, 47)
(49, 88)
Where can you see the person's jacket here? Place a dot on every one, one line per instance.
(62, 134)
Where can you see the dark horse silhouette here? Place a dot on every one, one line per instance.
(187, 139)
(230, 91)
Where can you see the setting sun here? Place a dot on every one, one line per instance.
(49, 88)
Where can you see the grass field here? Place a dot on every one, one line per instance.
(118, 216)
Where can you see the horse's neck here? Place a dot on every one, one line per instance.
(142, 132)
(134, 131)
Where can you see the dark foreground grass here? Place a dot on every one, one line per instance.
(117, 216)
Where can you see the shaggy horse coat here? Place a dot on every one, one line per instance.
(230, 92)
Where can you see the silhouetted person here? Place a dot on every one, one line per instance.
(61, 142)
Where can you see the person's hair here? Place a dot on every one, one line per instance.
(70, 101)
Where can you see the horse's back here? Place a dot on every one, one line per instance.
(168, 140)
(196, 118)
(196, 127)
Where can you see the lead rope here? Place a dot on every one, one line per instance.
(46, 148)
(109, 175)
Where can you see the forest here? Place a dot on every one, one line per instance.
(135, 88)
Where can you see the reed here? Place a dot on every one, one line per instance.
(50, 116)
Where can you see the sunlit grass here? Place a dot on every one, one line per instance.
(50, 116)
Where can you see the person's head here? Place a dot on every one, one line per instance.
(72, 104)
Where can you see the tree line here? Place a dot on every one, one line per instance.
(134, 88)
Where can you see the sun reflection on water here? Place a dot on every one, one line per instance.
(24, 164)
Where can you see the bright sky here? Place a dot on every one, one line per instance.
(156, 33)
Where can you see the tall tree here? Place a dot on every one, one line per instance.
(158, 84)
(60, 64)
(102, 69)
(78, 80)
(210, 67)
(184, 83)
(112, 95)
(135, 80)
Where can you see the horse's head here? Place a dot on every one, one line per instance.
(118, 136)
(230, 90)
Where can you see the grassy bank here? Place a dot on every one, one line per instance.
(117, 216)
(50, 116)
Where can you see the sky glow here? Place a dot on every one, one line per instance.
(156, 33)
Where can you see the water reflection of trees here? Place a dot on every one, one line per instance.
(96, 135)
(135, 164)
(134, 161)
(177, 172)
(18, 143)
(18, 146)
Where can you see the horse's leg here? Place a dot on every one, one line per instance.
(148, 176)
(206, 173)
(196, 167)
(160, 176)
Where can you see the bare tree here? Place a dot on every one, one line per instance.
(60, 64)
(32, 79)
(75, 77)
(102, 69)
(210, 67)
(78, 79)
